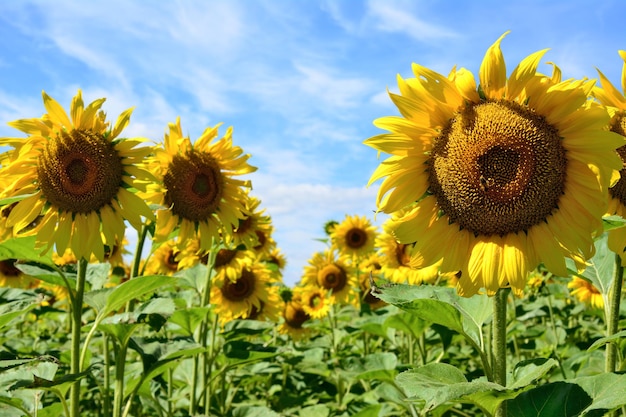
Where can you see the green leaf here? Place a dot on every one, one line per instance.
(46, 273)
(608, 391)
(601, 268)
(613, 222)
(238, 329)
(239, 352)
(376, 366)
(253, 411)
(15, 309)
(438, 383)
(408, 323)
(558, 399)
(189, 319)
(23, 249)
(369, 411)
(605, 340)
(528, 371)
(134, 289)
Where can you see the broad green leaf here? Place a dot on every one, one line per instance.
(408, 323)
(23, 248)
(134, 289)
(613, 222)
(98, 275)
(47, 274)
(14, 309)
(376, 366)
(119, 330)
(254, 411)
(369, 411)
(557, 399)
(608, 391)
(189, 319)
(528, 371)
(238, 329)
(317, 410)
(438, 383)
(239, 352)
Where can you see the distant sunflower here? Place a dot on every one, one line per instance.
(354, 236)
(164, 260)
(77, 179)
(270, 309)
(615, 102)
(230, 262)
(397, 264)
(294, 317)
(326, 271)
(316, 301)
(497, 178)
(253, 227)
(11, 276)
(239, 298)
(586, 292)
(198, 191)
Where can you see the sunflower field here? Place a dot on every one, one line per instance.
(492, 288)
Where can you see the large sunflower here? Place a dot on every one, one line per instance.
(354, 236)
(198, 191)
(76, 179)
(497, 178)
(615, 103)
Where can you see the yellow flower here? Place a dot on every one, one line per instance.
(76, 179)
(585, 292)
(294, 317)
(253, 227)
(11, 276)
(326, 271)
(164, 260)
(354, 236)
(496, 178)
(316, 301)
(244, 296)
(198, 190)
(615, 103)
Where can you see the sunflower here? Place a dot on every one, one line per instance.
(198, 191)
(496, 178)
(371, 268)
(246, 295)
(585, 292)
(76, 178)
(11, 276)
(354, 236)
(397, 264)
(294, 317)
(269, 310)
(316, 301)
(615, 103)
(327, 271)
(164, 260)
(253, 226)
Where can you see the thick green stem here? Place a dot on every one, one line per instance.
(499, 342)
(120, 366)
(77, 322)
(612, 320)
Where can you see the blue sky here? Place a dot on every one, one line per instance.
(300, 81)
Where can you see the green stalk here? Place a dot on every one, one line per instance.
(77, 314)
(612, 320)
(499, 342)
(120, 362)
(106, 401)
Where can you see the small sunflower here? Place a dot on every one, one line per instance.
(316, 301)
(164, 260)
(615, 103)
(397, 264)
(77, 179)
(497, 178)
(585, 292)
(326, 271)
(11, 276)
(253, 226)
(239, 298)
(354, 236)
(198, 188)
(294, 317)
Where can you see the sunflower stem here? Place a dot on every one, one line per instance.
(615, 297)
(499, 342)
(77, 314)
(134, 271)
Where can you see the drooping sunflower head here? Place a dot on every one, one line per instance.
(79, 178)
(498, 177)
(253, 227)
(586, 292)
(354, 236)
(294, 317)
(198, 190)
(245, 295)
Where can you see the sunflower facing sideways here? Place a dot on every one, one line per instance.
(77, 179)
(615, 102)
(198, 192)
(496, 178)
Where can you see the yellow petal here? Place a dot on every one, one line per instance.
(520, 76)
(121, 123)
(25, 212)
(55, 111)
(492, 71)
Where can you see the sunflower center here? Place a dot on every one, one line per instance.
(332, 277)
(170, 260)
(402, 254)
(497, 168)
(618, 191)
(241, 289)
(356, 238)
(80, 171)
(224, 256)
(316, 301)
(8, 269)
(194, 185)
